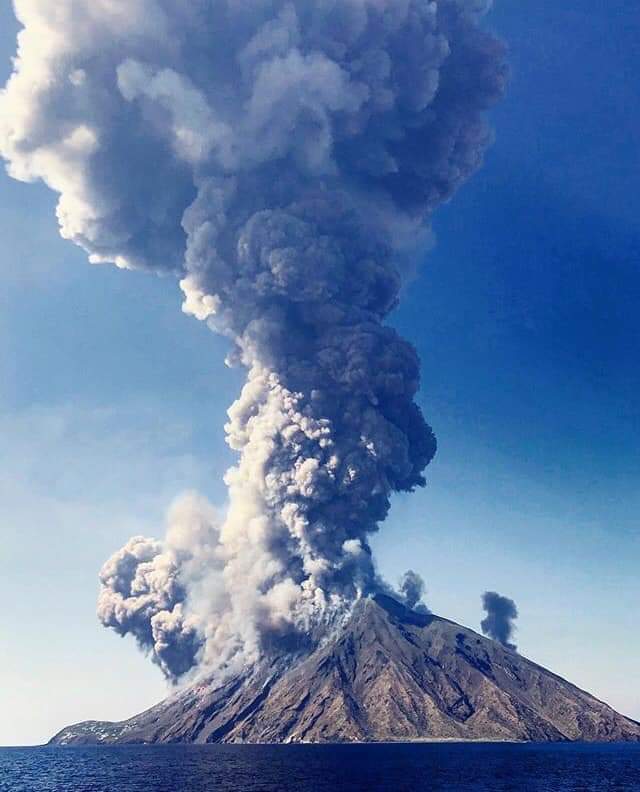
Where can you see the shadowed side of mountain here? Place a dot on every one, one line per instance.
(390, 674)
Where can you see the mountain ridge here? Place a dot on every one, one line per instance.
(390, 674)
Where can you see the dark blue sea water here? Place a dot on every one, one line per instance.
(328, 768)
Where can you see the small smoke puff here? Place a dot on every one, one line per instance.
(501, 613)
(412, 589)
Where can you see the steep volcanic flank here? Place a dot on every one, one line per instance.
(389, 674)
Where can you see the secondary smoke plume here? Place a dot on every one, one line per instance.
(145, 585)
(275, 156)
(412, 590)
(501, 613)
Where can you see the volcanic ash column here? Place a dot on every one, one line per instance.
(276, 157)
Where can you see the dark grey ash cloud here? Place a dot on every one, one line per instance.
(412, 589)
(279, 158)
(501, 613)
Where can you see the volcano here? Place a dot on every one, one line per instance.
(389, 674)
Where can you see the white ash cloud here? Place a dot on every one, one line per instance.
(498, 624)
(272, 156)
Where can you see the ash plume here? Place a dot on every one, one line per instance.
(279, 159)
(501, 613)
(144, 585)
(412, 590)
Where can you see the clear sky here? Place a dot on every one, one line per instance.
(525, 314)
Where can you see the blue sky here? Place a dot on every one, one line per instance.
(112, 402)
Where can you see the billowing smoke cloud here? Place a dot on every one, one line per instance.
(501, 613)
(275, 156)
(412, 590)
(144, 585)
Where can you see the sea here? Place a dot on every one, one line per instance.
(323, 768)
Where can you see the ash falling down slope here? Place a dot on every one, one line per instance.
(389, 674)
(281, 159)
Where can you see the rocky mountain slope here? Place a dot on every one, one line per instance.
(390, 674)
